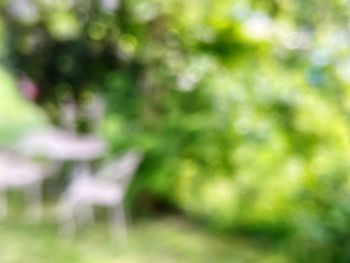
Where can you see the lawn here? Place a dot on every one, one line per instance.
(168, 239)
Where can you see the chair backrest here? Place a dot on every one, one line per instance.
(122, 169)
(91, 110)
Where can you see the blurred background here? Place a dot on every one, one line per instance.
(241, 109)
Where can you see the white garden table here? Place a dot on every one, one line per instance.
(60, 145)
(57, 146)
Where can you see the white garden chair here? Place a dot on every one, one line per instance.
(21, 172)
(106, 188)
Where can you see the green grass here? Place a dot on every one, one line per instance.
(164, 240)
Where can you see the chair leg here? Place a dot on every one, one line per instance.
(3, 204)
(66, 220)
(117, 224)
(86, 214)
(67, 229)
(34, 201)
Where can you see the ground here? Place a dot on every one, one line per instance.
(163, 240)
